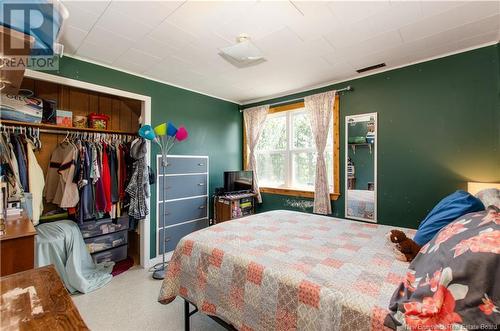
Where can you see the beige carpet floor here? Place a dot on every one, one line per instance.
(129, 302)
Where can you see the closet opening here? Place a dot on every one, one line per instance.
(99, 119)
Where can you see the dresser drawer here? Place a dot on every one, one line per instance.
(183, 186)
(97, 244)
(115, 255)
(185, 165)
(175, 233)
(104, 226)
(183, 210)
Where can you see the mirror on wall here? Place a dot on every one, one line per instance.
(361, 167)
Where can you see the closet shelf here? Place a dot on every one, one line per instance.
(64, 129)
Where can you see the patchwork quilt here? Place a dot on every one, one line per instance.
(285, 270)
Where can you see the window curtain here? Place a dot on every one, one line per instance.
(254, 119)
(320, 110)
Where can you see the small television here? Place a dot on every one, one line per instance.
(238, 181)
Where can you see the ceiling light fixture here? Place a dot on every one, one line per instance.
(243, 54)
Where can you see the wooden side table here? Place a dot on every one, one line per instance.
(37, 300)
(232, 206)
(17, 245)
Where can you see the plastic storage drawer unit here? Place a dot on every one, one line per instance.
(108, 241)
(114, 254)
(104, 226)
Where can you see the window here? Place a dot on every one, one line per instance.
(286, 153)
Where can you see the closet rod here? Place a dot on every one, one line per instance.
(50, 128)
(348, 88)
(62, 132)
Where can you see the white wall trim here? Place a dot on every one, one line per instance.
(149, 78)
(83, 85)
(144, 225)
(371, 73)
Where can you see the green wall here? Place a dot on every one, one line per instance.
(215, 126)
(438, 127)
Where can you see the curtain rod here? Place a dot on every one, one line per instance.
(348, 88)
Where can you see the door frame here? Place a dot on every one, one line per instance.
(144, 225)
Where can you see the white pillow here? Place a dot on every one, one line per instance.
(489, 197)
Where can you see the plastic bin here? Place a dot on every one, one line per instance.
(101, 243)
(104, 226)
(115, 255)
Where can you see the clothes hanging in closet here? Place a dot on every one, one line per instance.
(82, 178)
(106, 179)
(138, 187)
(60, 188)
(9, 168)
(90, 179)
(22, 162)
(100, 175)
(22, 171)
(36, 182)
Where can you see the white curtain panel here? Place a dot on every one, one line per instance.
(320, 110)
(254, 119)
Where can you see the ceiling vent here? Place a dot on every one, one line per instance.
(373, 67)
(243, 54)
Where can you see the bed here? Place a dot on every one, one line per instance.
(287, 270)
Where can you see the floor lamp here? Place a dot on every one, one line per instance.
(160, 273)
(167, 136)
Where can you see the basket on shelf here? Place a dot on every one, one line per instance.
(98, 121)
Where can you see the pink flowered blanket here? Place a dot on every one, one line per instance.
(285, 270)
(452, 284)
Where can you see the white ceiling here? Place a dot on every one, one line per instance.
(305, 43)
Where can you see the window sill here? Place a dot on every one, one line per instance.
(295, 193)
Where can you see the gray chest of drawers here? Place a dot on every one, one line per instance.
(182, 198)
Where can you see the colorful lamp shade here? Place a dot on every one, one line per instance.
(171, 130)
(146, 132)
(161, 129)
(181, 134)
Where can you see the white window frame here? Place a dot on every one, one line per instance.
(290, 151)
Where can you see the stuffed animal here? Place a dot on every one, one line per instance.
(404, 248)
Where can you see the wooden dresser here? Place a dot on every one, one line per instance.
(37, 300)
(17, 245)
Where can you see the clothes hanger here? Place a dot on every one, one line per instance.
(38, 140)
(27, 135)
(66, 139)
(5, 134)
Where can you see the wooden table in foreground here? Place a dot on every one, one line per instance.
(37, 300)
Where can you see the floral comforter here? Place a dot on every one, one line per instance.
(453, 283)
(285, 270)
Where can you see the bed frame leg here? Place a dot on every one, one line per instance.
(187, 316)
